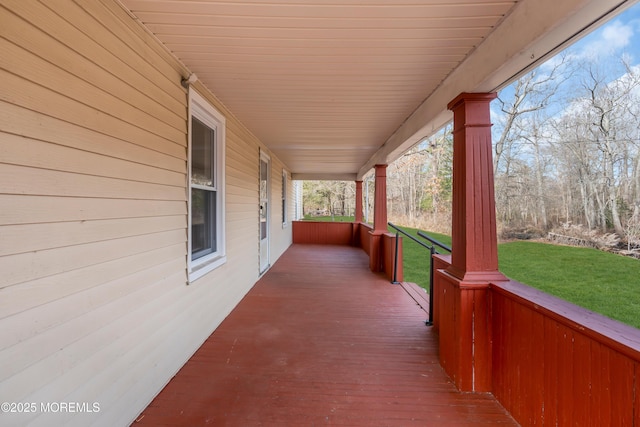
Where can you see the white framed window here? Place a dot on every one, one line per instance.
(284, 198)
(206, 187)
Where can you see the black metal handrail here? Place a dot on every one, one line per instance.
(434, 241)
(432, 251)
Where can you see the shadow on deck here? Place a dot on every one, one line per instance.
(320, 340)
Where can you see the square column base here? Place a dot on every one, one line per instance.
(464, 326)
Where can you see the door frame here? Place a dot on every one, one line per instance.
(264, 203)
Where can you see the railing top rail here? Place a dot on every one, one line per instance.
(399, 230)
(434, 241)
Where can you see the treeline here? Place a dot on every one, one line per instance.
(567, 147)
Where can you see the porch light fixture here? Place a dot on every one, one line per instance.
(186, 81)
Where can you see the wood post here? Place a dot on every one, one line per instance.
(358, 214)
(465, 334)
(379, 219)
(380, 201)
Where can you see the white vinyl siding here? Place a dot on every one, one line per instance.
(94, 214)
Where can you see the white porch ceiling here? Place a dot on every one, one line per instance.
(333, 87)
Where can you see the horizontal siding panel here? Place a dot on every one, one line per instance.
(73, 343)
(244, 140)
(246, 239)
(23, 151)
(34, 265)
(37, 47)
(153, 352)
(144, 350)
(243, 247)
(29, 323)
(240, 150)
(31, 124)
(238, 228)
(34, 97)
(242, 163)
(246, 174)
(16, 299)
(243, 213)
(36, 70)
(16, 239)
(26, 209)
(247, 203)
(30, 38)
(238, 196)
(55, 183)
(139, 73)
(116, 36)
(243, 183)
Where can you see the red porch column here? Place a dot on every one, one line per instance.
(465, 333)
(474, 240)
(379, 218)
(358, 201)
(380, 200)
(357, 238)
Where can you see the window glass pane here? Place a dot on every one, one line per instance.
(264, 174)
(263, 219)
(284, 197)
(203, 221)
(202, 158)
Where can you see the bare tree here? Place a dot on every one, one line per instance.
(522, 110)
(608, 109)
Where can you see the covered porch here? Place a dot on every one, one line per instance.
(105, 292)
(321, 340)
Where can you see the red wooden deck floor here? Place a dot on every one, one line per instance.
(320, 340)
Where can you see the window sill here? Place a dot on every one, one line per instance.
(201, 269)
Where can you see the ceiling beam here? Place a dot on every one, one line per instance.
(323, 176)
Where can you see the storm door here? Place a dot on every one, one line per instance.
(265, 163)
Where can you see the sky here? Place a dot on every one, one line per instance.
(614, 39)
(618, 36)
(621, 34)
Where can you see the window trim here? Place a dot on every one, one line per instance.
(285, 199)
(202, 110)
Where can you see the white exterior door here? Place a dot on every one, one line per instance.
(265, 167)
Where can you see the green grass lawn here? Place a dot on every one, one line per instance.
(599, 281)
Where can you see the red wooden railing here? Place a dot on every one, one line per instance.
(351, 233)
(551, 362)
(325, 233)
(363, 237)
(561, 364)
